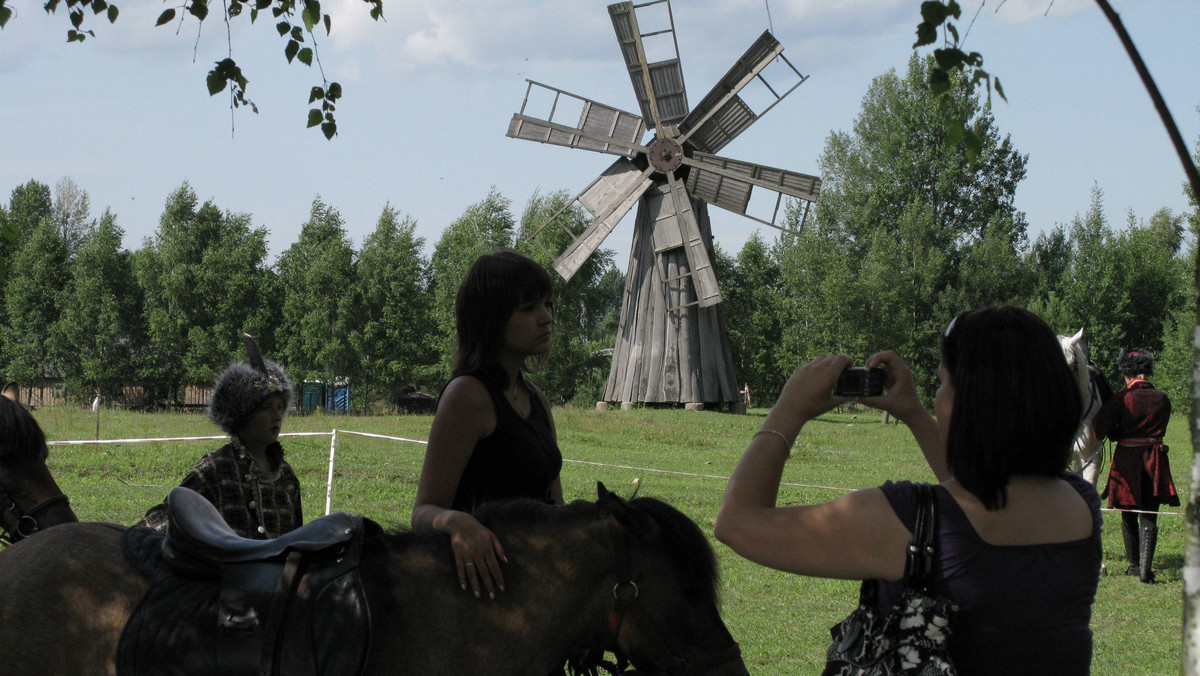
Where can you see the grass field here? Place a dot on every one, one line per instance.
(781, 620)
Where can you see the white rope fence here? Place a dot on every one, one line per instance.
(333, 434)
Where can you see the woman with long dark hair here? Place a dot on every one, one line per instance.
(1018, 537)
(493, 435)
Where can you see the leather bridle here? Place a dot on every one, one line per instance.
(18, 523)
(626, 604)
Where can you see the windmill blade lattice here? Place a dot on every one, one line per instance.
(671, 344)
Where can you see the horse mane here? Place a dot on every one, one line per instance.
(685, 546)
(23, 444)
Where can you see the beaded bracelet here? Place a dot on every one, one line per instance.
(787, 443)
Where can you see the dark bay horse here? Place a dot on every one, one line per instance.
(636, 578)
(30, 499)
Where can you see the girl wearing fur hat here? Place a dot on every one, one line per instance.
(1140, 477)
(248, 480)
(493, 436)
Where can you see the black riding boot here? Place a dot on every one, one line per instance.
(1129, 533)
(1149, 540)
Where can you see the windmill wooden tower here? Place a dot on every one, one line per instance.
(671, 345)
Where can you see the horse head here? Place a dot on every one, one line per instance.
(1075, 352)
(664, 617)
(30, 499)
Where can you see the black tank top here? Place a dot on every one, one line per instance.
(519, 459)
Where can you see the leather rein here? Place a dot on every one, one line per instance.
(626, 604)
(18, 524)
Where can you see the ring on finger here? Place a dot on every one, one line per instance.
(469, 563)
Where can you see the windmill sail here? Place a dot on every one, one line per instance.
(722, 115)
(608, 199)
(601, 128)
(658, 86)
(728, 183)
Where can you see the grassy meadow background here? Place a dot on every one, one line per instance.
(781, 620)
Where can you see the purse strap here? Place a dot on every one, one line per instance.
(922, 550)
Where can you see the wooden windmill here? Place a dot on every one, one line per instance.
(671, 345)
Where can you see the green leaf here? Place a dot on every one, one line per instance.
(112, 13)
(926, 35)
(939, 81)
(305, 56)
(329, 129)
(954, 134)
(999, 89)
(5, 15)
(316, 93)
(314, 117)
(99, 6)
(291, 49)
(311, 14)
(199, 9)
(933, 12)
(216, 82)
(165, 17)
(235, 9)
(297, 34)
(948, 59)
(76, 18)
(327, 24)
(283, 27)
(50, 6)
(335, 91)
(974, 145)
(261, 4)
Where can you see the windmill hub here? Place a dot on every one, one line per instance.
(665, 154)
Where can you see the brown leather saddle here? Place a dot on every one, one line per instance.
(294, 605)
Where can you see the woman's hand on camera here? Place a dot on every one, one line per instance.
(900, 390)
(808, 393)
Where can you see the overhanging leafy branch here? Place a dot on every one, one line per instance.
(296, 23)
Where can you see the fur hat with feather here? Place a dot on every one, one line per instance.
(240, 390)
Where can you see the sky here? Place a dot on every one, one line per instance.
(428, 94)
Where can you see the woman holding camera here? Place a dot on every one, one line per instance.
(1018, 537)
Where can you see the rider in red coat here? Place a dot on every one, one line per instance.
(1140, 478)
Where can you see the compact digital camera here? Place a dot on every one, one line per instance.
(860, 381)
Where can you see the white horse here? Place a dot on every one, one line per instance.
(1089, 451)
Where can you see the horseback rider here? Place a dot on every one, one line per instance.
(247, 479)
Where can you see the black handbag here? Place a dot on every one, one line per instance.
(912, 637)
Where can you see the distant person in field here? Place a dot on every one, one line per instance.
(1018, 537)
(493, 435)
(1139, 479)
(247, 479)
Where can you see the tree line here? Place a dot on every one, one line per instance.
(908, 231)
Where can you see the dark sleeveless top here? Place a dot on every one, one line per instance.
(519, 459)
(1023, 609)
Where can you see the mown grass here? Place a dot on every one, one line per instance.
(781, 620)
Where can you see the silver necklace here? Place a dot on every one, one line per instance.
(522, 411)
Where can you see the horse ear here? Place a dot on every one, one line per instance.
(1078, 337)
(626, 514)
(11, 391)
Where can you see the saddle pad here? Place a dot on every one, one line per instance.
(322, 630)
(173, 629)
